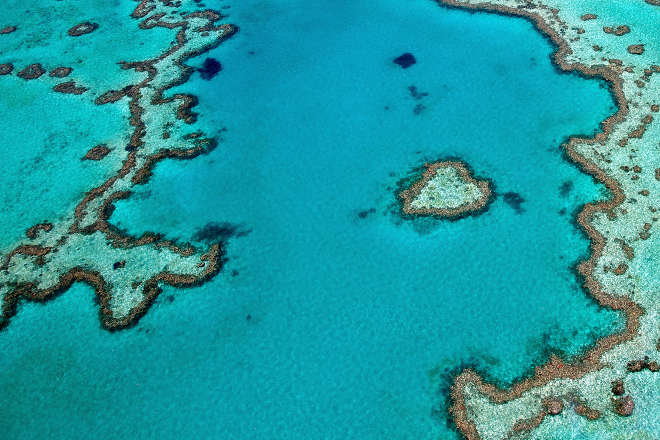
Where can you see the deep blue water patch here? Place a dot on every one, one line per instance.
(515, 201)
(210, 68)
(405, 60)
(215, 232)
(565, 188)
(416, 94)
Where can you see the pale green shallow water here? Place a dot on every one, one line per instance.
(356, 324)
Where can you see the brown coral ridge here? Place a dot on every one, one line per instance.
(33, 232)
(478, 206)
(112, 96)
(212, 260)
(591, 360)
(150, 290)
(83, 28)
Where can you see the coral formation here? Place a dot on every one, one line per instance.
(82, 29)
(83, 246)
(620, 228)
(446, 189)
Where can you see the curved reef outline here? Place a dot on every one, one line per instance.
(474, 207)
(51, 252)
(591, 361)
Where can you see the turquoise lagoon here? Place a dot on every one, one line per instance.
(334, 317)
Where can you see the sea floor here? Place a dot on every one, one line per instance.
(334, 316)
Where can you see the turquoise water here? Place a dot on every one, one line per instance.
(37, 159)
(325, 324)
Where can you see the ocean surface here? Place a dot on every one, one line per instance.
(334, 317)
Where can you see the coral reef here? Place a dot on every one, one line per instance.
(446, 189)
(126, 272)
(620, 273)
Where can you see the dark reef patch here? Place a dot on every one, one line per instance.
(210, 68)
(113, 95)
(83, 28)
(6, 69)
(60, 72)
(214, 232)
(416, 94)
(97, 153)
(33, 71)
(70, 87)
(419, 108)
(405, 60)
(514, 200)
